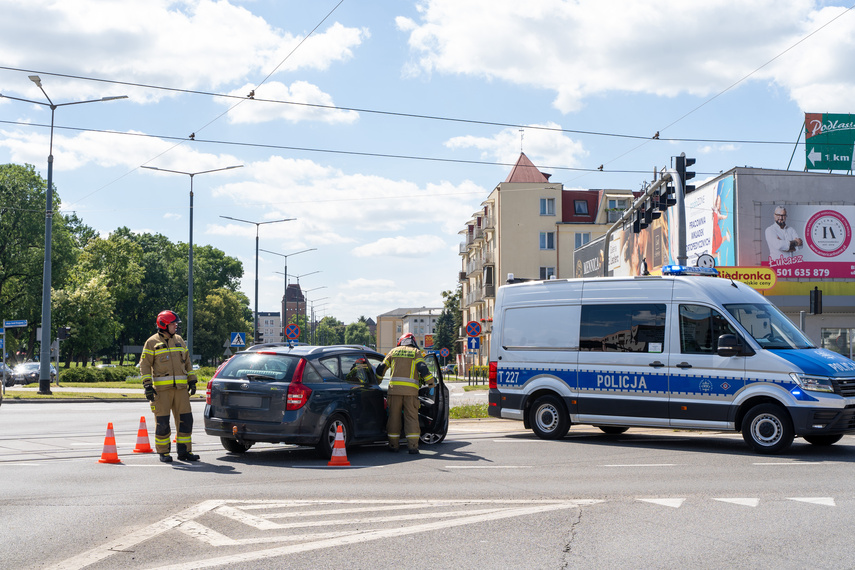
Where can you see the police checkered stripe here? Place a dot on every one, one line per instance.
(716, 385)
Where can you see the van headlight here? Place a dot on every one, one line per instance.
(813, 383)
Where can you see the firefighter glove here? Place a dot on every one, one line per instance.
(150, 393)
(192, 385)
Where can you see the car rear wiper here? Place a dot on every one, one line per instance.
(259, 377)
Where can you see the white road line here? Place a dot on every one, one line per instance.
(827, 501)
(640, 465)
(368, 536)
(792, 463)
(673, 503)
(743, 502)
(487, 467)
(128, 541)
(314, 513)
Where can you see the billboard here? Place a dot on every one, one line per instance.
(808, 240)
(829, 141)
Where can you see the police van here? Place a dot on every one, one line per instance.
(679, 351)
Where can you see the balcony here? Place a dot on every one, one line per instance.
(489, 291)
(487, 223)
(478, 234)
(464, 248)
(461, 276)
(489, 258)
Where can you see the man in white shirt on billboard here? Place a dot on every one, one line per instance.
(782, 239)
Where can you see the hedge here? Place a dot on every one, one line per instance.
(90, 374)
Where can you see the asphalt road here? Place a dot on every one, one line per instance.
(491, 495)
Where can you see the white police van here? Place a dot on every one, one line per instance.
(670, 351)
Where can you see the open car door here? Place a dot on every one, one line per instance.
(433, 409)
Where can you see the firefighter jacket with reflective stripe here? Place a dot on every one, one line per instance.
(408, 366)
(165, 362)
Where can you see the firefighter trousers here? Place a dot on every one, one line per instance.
(410, 406)
(173, 400)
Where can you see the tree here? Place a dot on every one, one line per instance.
(330, 331)
(449, 322)
(219, 314)
(87, 306)
(357, 333)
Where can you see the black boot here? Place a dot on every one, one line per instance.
(165, 458)
(188, 457)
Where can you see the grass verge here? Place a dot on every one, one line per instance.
(468, 411)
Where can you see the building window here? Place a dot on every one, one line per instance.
(547, 206)
(547, 240)
(582, 238)
(547, 272)
(581, 207)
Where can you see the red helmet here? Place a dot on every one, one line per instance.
(408, 339)
(165, 318)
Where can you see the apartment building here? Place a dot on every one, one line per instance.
(421, 321)
(528, 227)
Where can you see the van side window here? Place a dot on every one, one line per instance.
(700, 328)
(623, 328)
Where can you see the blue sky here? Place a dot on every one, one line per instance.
(716, 75)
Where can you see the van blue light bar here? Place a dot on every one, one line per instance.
(685, 270)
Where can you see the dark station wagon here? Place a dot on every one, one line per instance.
(301, 394)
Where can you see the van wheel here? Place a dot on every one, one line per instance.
(235, 446)
(548, 418)
(823, 439)
(767, 428)
(613, 430)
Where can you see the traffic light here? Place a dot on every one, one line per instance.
(259, 336)
(682, 163)
(667, 197)
(816, 301)
(62, 333)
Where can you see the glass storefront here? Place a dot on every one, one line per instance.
(838, 340)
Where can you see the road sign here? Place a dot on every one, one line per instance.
(473, 343)
(1, 343)
(292, 331)
(473, 328)
(829, 141)
(238, 339)
(18, 323)
(444, 353)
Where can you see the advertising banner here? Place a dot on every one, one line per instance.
(709, 223)
(808, 240)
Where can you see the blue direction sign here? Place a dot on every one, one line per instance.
(473, 328)
(1, 342)
(18, 323)
(238, 339)
(292, 331)
(473, 343)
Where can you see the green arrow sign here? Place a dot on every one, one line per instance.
(829, 141)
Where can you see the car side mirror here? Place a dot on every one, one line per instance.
(731, 345)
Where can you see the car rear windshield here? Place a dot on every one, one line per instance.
(263, 367)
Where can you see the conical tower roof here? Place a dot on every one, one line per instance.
(526, 172)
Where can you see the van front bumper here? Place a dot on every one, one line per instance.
(815, 421)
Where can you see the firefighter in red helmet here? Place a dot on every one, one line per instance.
(408, 368)
(169, 382)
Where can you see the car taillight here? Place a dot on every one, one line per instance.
(208, 392)
(494, 367)
(298, 393)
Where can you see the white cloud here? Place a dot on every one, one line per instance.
(254, 111)
(401, 246)
(368, 284)
(716, 148)
(542, 146)
(189, 44)
(582, 48)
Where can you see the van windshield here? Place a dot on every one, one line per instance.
(769, 326)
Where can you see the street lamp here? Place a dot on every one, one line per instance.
(257, 224)
(190, 258)
(44, 354)
(285, 294)
(313, 340)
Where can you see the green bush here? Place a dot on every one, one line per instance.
(91, 374)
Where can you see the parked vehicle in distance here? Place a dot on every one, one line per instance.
(5, 374)
(278, 393)
(449, 369)
(28, 372)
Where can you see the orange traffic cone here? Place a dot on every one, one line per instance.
(143, 445)
(339, 452)
(109, 455)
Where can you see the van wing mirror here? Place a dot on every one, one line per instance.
(732, 345)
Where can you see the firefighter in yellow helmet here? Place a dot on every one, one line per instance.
(169, 382)
(408, 367)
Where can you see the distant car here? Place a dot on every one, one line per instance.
(196, 367)
(6, 374)
(300, 395)
(449, 369)
(28, 372)
(105, 366)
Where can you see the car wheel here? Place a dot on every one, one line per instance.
(823, 439)
(548, 418)
(613, 430)
(434, 438)
(235, 446)
(767, 428)
(325, 445)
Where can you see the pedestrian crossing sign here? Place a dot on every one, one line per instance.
(238, 339)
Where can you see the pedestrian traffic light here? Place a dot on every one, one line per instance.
(681, 164)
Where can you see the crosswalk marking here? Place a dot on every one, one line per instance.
(673, 503)
(827, 501)
(743, 502)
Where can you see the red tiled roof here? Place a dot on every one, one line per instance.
(525, 171)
